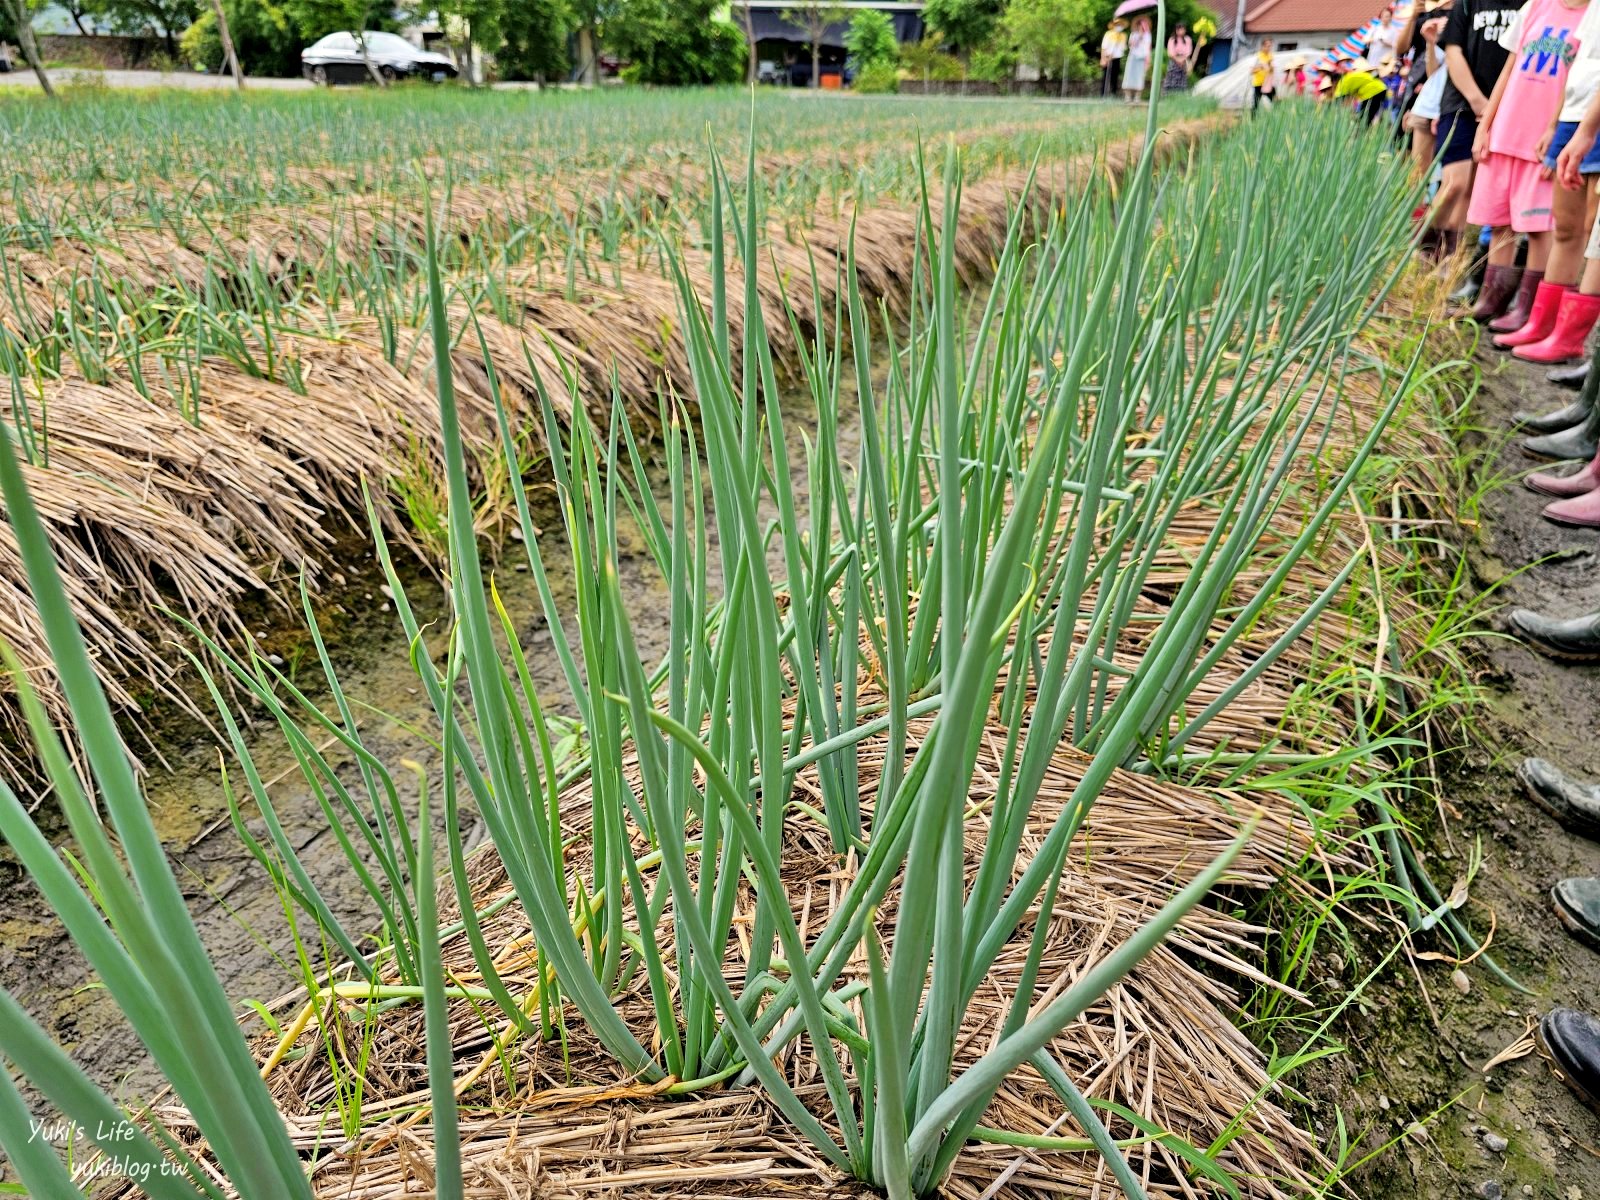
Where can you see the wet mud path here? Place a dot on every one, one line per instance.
(1516, 1130)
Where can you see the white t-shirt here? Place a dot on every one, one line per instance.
(1432, 91)
(1583, 77)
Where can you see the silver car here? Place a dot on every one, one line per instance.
(337, 58)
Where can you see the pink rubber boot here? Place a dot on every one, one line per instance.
(1579, 483)
(1579, 510)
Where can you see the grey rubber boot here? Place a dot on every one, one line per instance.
(1578, 441)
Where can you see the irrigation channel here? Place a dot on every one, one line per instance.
(1217, 404)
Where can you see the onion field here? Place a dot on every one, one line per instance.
(1024, 634)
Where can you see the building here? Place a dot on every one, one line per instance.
(1291, 24)
(783, 48)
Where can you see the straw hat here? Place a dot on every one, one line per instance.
(1119, 23)
(1296, 63)
(1325, 84)
(1387, 65)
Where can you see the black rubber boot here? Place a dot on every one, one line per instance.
(1555, 421)
(1572, 1039)
(1571, 376)
(1578, 441)
(1577, 904)
(1576, 805)
(1575, 640)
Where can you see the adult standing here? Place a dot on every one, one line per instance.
(1139, 50)
(1473, 58)
(1180, 53)
(1113, 48)
(1385, 38)
(1261, 83)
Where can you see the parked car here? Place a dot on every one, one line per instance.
(337, 58)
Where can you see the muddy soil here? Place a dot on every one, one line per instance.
(1421, 1044)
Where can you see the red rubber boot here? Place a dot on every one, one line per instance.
(1565, 340)
(1547, 305)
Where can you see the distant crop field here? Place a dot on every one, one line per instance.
(229, 287)
(879, 649)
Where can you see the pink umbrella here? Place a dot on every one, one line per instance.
(1128, 7)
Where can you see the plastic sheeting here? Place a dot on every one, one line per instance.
(1231, 88)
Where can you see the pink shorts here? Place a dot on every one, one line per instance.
(1507, 191)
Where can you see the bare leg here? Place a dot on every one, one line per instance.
(1423, 148)
(1590, 284)
(1464, 197)
(1503, 247)
(1455, 189)
(1567, 238)
(1538, 249)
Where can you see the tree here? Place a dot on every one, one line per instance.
(965, 24)
(814, 17)
(229, 54)
(266, 39)
(1049, 34)
(676, 42)
(19, 14)
(753, 66)
(870, 40)
(588, 17)
(77, 10)
(164, 18)
(535, 45)
(478, 22)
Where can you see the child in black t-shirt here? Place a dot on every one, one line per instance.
(1474, 57)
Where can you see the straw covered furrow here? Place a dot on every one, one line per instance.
(247, 478)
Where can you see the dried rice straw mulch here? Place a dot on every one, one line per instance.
(149, 509)
(1162, 1044)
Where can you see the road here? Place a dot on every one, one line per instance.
(190, 80)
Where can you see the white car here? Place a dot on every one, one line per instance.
(337, 58)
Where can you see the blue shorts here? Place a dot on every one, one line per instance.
(1456, 131)
(1558, 143)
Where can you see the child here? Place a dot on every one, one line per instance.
(1511, 191)
(1563, 313)
(1261, 75)
(1473, 61)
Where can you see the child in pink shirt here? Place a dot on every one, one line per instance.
(1511, 191)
